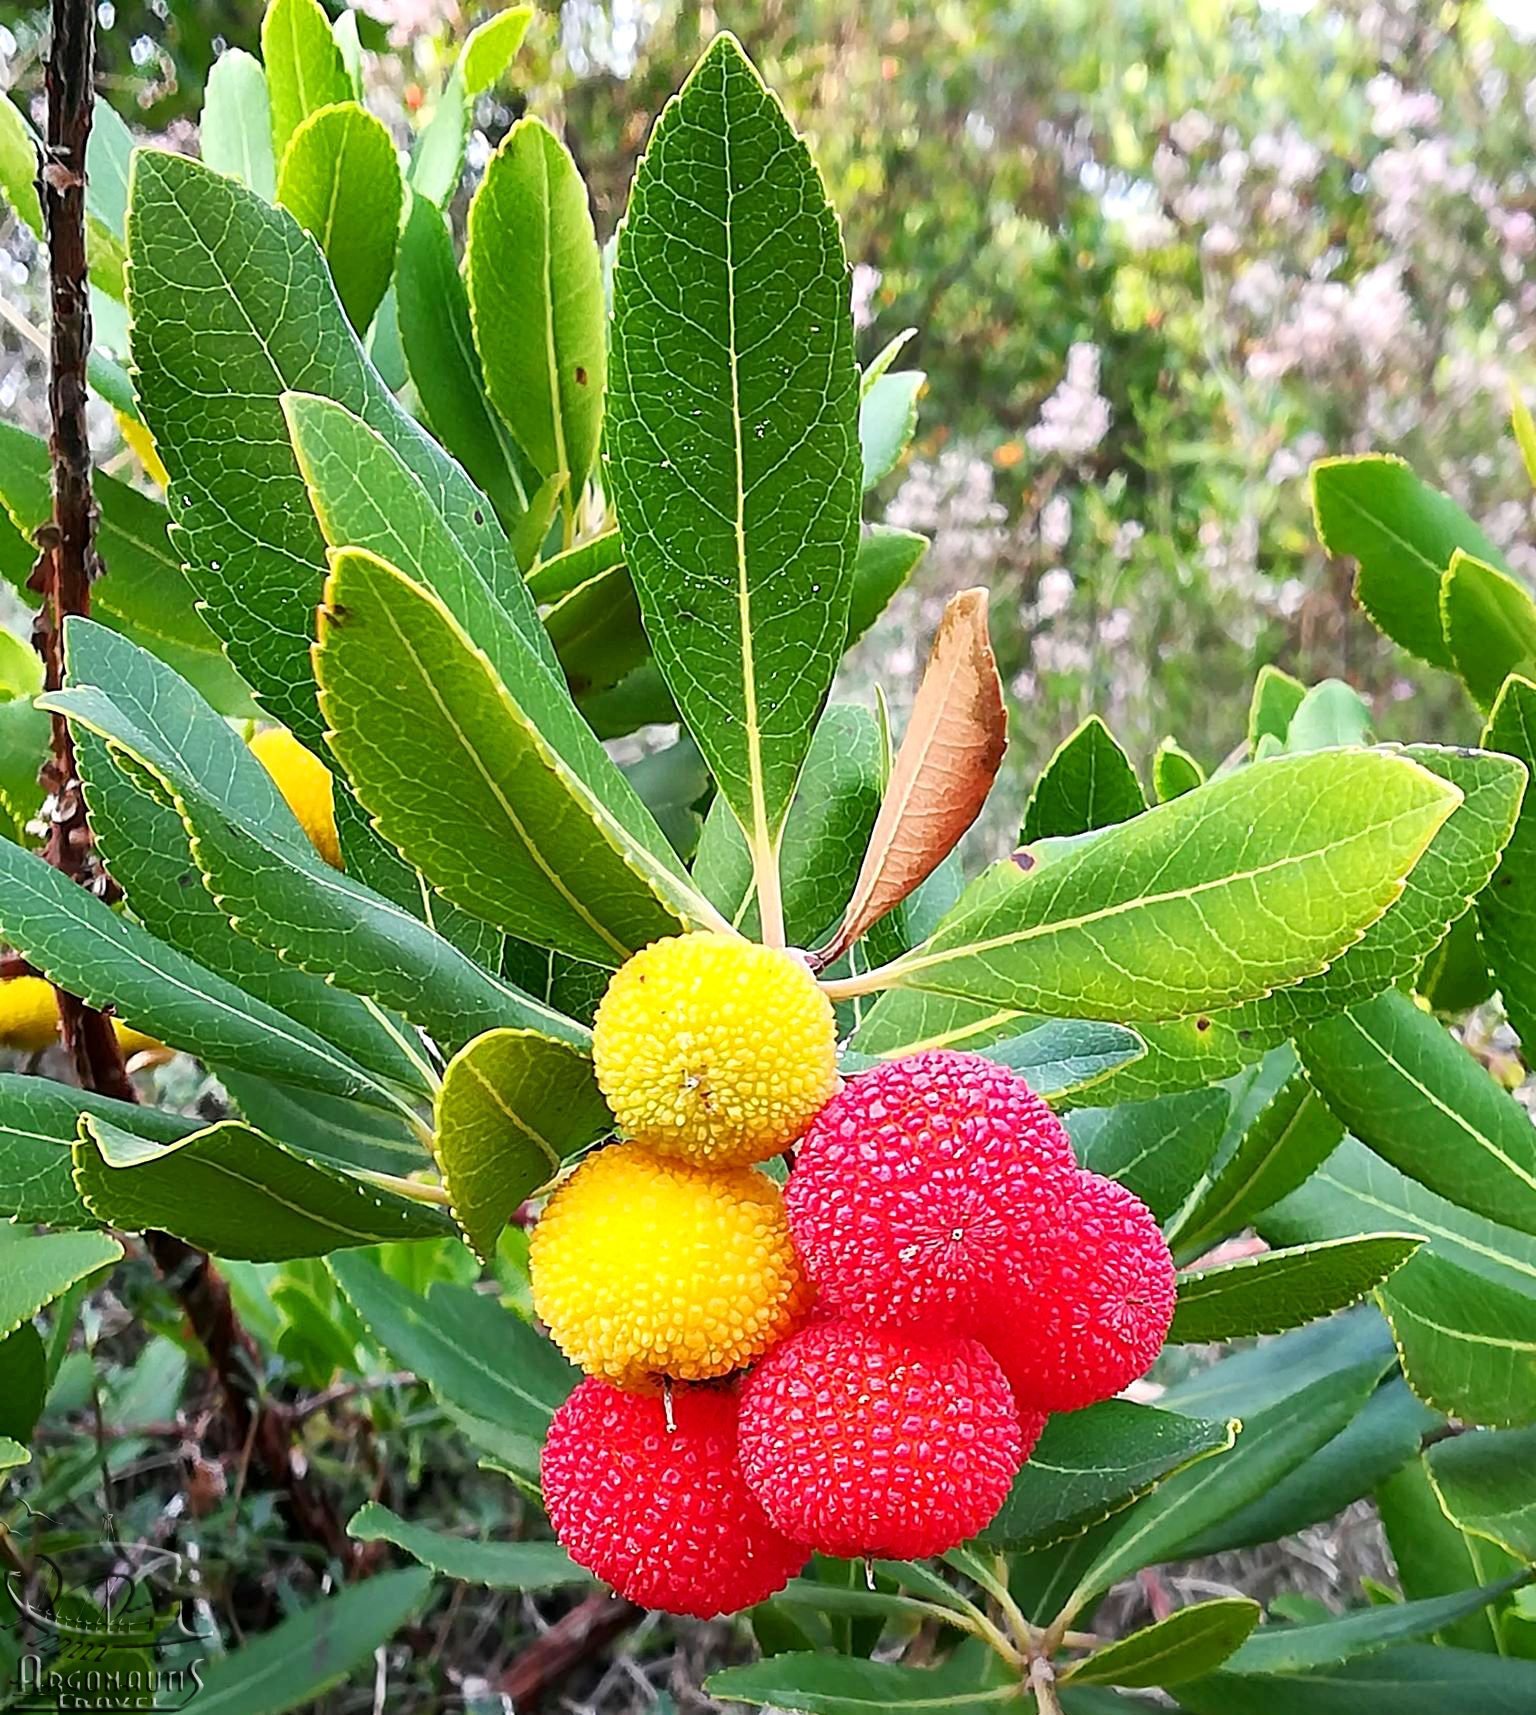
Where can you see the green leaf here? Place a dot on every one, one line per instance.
(1059, 1058)
(827, 830)
(217, 269)
(1089, 783)
(597, 633)
(536, 301)
(23, 1383)
(1294, 1650)
(1174, 771)
(42, 1267)
(513, 1106)
(67, 933)
(230, 1190)
(1506, 912)
(1258, 879)
(1436, 1558)
(341, 181)
(266, 877)
(1158, 1149)
(366, 494)
(433, 310)
(435, 742)
(495, 1565)
(325, 1129)
(845, 1685)
(1189, 1643)
(1355, 1191)
(12, 1455)
(39, 1121)
(1276, 698)
(235, 133)
(1091, 1464)
(1290, 1137)
(733, 454)
(1468, 1344)
(1453, 870)
(1383, 1436)
(1331, 714)
(1276, 1290)
(887, 421)
(144, 587)
(305, 71)
(1455, 977)
(491, 47)
(472, 1354)
(437, 162)
(1272, 1443)
(1415, 1679)
(1403, 533)
(146, 844)
(291, 1666)
(1407, 1088)
(886, 558)
(18, 166)
(1490, 625)
(1486, 1482)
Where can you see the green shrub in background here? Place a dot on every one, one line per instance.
(1270, 993)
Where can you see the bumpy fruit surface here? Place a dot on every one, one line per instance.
(919, 1182)
(305, 783)
(644, 1267)
(1091, 1311)
(714, 1049)
(865, 1442)
(663, 1515)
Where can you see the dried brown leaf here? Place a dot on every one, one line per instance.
(943, 772)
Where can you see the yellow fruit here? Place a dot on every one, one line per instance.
(644, 1267)
(305, 783)
(29, 1019)
(29, 1015)
(712, 1048)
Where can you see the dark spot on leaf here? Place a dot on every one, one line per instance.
(339, 614)
(1202, 1024)
(185, 879)
(581, 376)
(1024, 858)
(1243, 1035)
(479, 516)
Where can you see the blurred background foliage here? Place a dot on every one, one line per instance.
(1159, 254)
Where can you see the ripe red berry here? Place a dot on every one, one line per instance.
(1090, 1311)
(919, 1182)
(861, 1441)
(663, 1515)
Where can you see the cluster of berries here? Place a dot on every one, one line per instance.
(936, 1278)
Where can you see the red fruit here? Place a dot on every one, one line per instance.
(1091, 1309)
(921, 1181)
(662, 1515)
(860, 1441)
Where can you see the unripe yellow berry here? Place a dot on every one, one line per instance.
(644, 1267)
(712, 1048)
(29, 1019)
(305, 783)
(29, 1015)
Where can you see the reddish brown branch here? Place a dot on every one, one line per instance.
(66, 567)
(589, 1627)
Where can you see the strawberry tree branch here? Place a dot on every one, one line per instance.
(66, 566)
